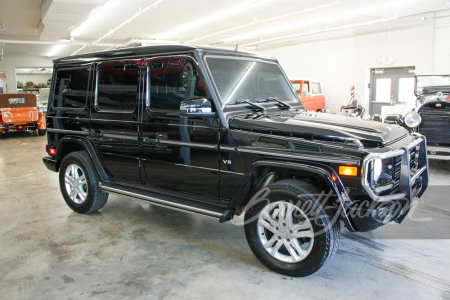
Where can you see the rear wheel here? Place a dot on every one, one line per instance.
(42, 131)
(78, 182)
(292, 233)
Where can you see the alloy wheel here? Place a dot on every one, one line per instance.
(285, 232)
(76, 183)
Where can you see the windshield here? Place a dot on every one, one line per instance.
(238, 79)
(432, 87)
(426, 85)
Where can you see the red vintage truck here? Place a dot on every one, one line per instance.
(310, 93)
(19, 112)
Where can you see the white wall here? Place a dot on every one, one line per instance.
(330, 62)
(340, 62)
(11, 62)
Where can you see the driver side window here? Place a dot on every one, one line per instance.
(172, 81)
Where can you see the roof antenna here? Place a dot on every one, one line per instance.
(236, 49)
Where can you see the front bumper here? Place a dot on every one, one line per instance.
(51, 164)
(438, 153)
(412, 182)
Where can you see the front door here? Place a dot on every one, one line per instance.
(392, 90)
(115, 118)
(178, 152)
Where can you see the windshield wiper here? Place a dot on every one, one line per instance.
(287, 106)
(261, 108)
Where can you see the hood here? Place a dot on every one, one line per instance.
(322, 126)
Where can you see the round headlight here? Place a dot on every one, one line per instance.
(412, 119)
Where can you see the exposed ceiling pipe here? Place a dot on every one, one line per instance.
(96, 42)
(56, 43)
(323, 30)
(265, 20)
(346, 27)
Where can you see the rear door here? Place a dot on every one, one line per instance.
(115, 118)
(317, 97)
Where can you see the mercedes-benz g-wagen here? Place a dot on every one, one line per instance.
(202, 130)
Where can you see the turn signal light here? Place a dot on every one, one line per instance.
(348, 171)
(52, 151)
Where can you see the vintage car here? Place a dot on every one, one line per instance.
(310, 93)
(228, 139)
(20, 112)
(355, 108)
(431, 117)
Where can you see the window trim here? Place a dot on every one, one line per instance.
(97, 108)
(89, 68)
(186, 57)
(320, 87)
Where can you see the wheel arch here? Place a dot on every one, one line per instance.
(72, 144)
(317, 175)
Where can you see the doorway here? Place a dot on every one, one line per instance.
(2, 82)
(392, 90)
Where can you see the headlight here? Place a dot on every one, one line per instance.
(412, 119)
(377, 168)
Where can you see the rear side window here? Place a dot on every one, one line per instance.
(117, 88)
(315, 86)
(71, 88)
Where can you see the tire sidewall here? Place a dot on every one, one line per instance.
(67, 161)
(318, 219)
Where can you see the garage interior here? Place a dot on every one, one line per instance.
(133, 249)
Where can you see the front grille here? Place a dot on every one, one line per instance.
(397, 172)
(435, 124)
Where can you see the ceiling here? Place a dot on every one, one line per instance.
(62, 27)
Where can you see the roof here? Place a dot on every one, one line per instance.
(146, 50)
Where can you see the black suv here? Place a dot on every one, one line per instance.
(223, 134)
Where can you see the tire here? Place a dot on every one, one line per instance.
(310, 229)
(89, 197)
(42, 131)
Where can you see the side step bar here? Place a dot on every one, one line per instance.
(164, 200)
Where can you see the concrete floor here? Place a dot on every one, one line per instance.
(131, 249)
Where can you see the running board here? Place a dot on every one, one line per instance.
(164, 200)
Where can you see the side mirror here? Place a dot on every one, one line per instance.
(197, 107)
(304, 94)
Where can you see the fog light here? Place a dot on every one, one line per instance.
(387, 219)
(348, 171)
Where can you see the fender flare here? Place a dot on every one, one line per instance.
(87, 145)
(323, 171)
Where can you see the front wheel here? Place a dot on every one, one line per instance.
(78, 182)
(290, 232)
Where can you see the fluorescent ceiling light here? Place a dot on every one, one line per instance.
(122, 24)
(316, 21)
(319, 31)
(214, 17)
(55, 50)
(262, 21)
(128, 20)
(95, 16)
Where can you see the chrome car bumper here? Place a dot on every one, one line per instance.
(417, 178)
(438, 153)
